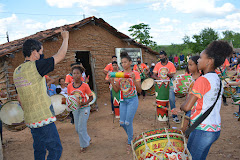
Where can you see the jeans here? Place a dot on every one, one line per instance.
(46, 138)
(199, 143)
(224, 99)
(238, 91)
(112, 101)
(172, 99)
(128, 108)
(80, 120)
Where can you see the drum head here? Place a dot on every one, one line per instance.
(94, 98)
(147, 84)
(57, 104)
(11, 112)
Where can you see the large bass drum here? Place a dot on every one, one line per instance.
(12, 116)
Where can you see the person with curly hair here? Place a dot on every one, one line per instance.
(129, 104)
(202, 96)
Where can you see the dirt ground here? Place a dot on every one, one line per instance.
(109, 140)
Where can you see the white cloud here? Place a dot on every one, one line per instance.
(200, 7)
(93, 3)
(156, 6)
(21, 28)
(168, 20)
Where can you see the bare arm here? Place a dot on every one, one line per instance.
(88, 101)
(137, 83)
(154, 75)
(115, 86)
(170, 75)
(63, 50)
(105, 72)
(188, 104)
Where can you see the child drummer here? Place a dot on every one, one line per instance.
(129, 104)
(81, 115)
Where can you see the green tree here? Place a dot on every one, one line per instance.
(232, 37)
(140, 33)
(201, 41)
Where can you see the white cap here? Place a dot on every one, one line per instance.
(153, 64)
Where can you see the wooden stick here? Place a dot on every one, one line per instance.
(183, 113)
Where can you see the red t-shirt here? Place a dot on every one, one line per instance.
(82, 91)
(140, 68)
(109, 67)
(223, 66)
(162, 70)
(175, 59)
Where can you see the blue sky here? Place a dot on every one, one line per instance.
(169, 20)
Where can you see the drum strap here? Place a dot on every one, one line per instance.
(204, 116)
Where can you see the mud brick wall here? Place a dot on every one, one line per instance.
(101, 44)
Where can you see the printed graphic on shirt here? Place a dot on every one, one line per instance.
(162, 72)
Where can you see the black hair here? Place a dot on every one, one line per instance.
(195, 59)
(60, 80)
(80, 68)
(78, 64)
(125, 55)
(162, 52)
(31, 45)
(238, 61)
(114, 56)
(219, 51)
(58, 90)
(114, 62)
(187, 70)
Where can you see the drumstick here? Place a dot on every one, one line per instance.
(171, 110)
(20, 126)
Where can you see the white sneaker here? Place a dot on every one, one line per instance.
(176, 120)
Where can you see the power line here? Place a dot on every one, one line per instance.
(41, 14)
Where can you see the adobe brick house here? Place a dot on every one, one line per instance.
(92, 40)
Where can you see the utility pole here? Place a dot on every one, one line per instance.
(7, 36)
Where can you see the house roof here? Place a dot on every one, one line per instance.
(16, 45)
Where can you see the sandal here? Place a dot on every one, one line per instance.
(83, 150)
(129, 148)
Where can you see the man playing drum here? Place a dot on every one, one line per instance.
(143, 70)
(166, 70)
(30, 83)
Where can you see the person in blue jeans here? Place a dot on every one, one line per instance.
(129, 104)
(31, 87)
(202, 96)
(81, 115)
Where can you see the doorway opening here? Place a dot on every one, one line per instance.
(84, 58)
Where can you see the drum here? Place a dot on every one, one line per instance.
(148, 86)
(159, 144)
(236, 99)
(94, 98)
(59, 106)
(73, 102)
(182, 83)
(222, 75)
(12, 116)
(162, 113)
(116, 102)
(162, 92)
